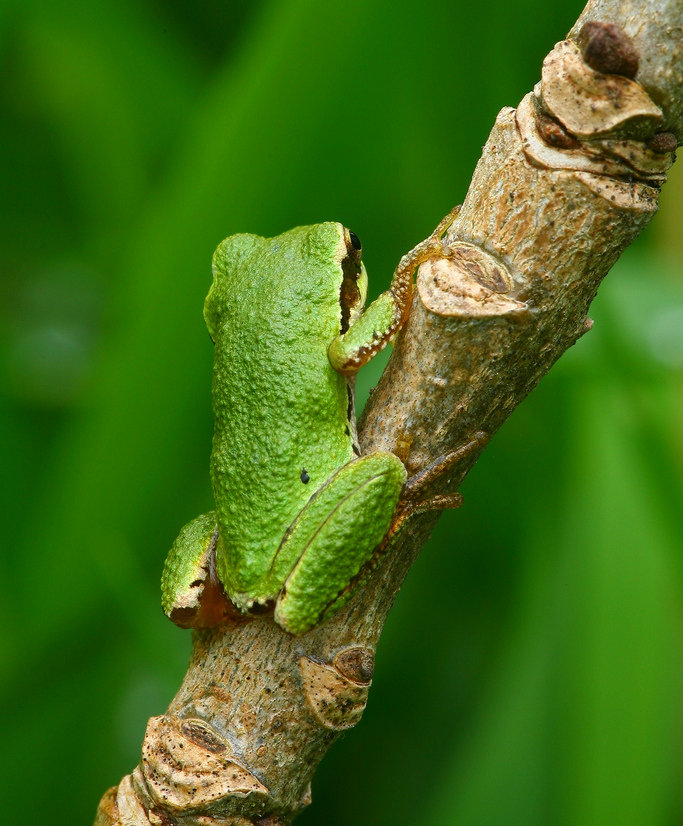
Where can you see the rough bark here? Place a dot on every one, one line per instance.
(564, 184)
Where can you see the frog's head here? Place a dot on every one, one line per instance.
(315, 272)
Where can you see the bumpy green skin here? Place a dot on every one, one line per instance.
(182, 561)
(333, 536)
(298, 513)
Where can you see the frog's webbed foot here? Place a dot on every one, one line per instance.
(191, 593)
(416, 484)
(412, 501)
(380, 322)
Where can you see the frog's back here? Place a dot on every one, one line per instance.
(280, 410)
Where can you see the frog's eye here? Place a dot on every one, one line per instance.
(353, 244)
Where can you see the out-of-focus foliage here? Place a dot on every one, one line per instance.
(530, 672)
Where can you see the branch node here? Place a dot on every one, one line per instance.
(471, 283)
(608, 49)
(336, 701)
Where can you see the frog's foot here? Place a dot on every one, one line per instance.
(446, 221)
(191, 593)
(382, 320)
(412, 501)
(417, 483)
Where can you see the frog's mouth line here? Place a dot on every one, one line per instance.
(349, 294)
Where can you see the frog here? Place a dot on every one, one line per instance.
(300, 511)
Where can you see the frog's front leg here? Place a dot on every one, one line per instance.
(333, 537)
(191, 594)
(380, 322)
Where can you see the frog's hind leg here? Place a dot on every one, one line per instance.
(191, 594)
(333, 538)
(412, 501)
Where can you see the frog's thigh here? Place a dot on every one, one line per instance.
(335, 535)
(190, 595)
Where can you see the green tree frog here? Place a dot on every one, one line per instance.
(299, 511)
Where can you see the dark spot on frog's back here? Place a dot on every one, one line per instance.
(305, 478)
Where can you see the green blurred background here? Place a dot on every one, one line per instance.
(530, 672)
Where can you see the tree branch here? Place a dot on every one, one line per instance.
(564, 184)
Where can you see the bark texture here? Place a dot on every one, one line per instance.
(565, 182)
